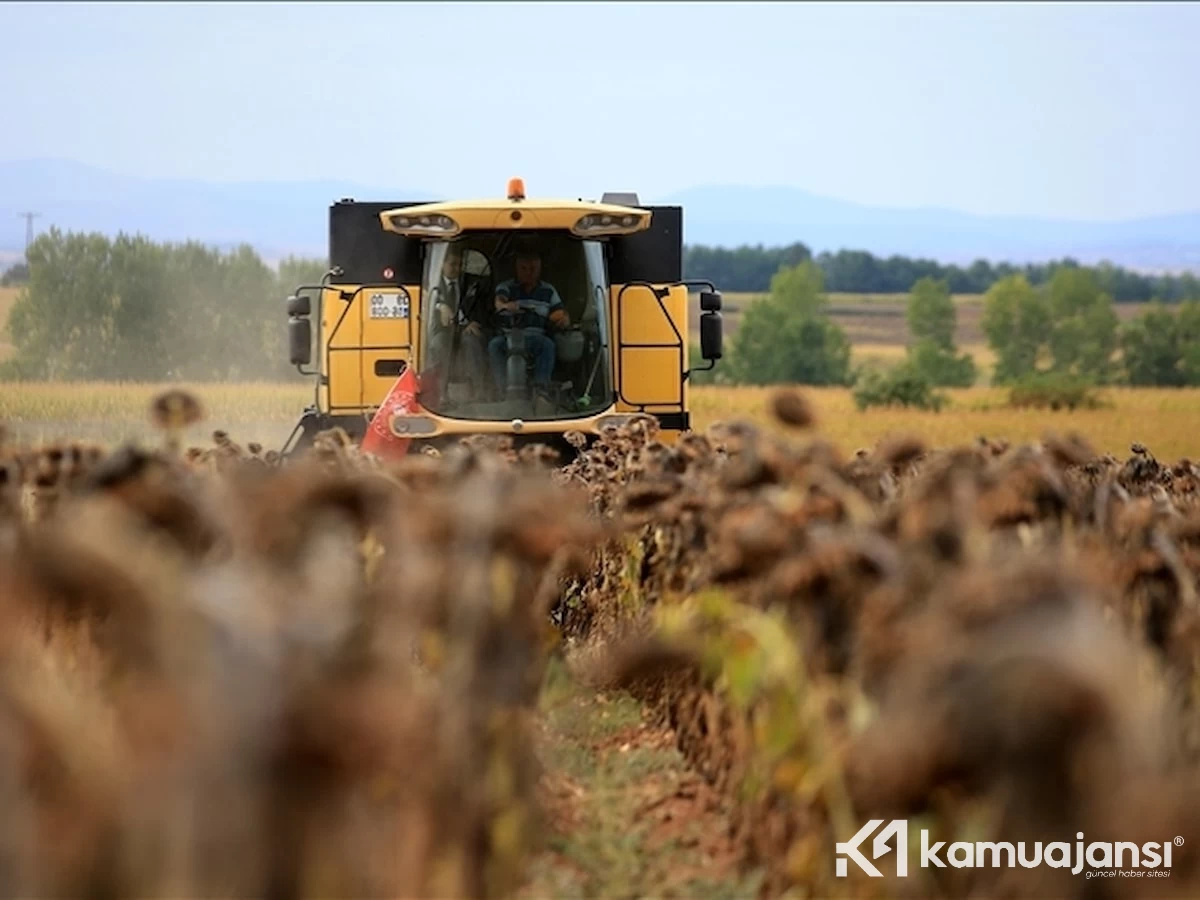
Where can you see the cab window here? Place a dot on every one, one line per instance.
(515, 325)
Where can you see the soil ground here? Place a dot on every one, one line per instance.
(626, 816)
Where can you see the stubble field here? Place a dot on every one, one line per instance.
(1165, 420)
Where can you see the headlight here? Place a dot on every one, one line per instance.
(435, 224)
(407, 426)
(603, 223)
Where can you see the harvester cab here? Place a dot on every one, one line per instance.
(519, 316)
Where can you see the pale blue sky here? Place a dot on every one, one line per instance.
(1075, 110)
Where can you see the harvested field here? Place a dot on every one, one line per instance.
(1163, 418)
(109, 412)
(878, 320)
(659, 671)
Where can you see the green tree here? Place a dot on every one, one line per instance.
(1187, 330)
(18, 273)
(1015, 323)
(65, 322)
(1150, 349)
(1083, 333)
(931, 322)
(296, 271)
(941, 367)
(786, 337)
(130, 309)
(931, 315)
(903, 385)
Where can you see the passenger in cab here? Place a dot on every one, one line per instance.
(460, 308)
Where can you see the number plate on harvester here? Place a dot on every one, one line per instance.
(390, 305)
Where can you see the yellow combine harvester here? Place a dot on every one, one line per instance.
(520, 316)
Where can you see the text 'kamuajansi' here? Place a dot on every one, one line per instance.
(1113, 859)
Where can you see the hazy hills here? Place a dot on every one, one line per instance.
(731, 215)
(279, 218)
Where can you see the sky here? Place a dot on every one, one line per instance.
(1074, 110)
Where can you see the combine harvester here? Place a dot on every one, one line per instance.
(522, 317)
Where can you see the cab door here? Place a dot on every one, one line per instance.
(652, 352)
(650, 316)
(370, 318)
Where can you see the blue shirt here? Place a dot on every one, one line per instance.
(536, 304)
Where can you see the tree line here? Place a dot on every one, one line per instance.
(127, 308)
(16, 274)
(1066, 330)
(750, 269)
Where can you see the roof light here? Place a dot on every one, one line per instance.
(516, 189)
(428, 224)
(605, 223)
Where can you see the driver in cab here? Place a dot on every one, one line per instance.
(531, 304)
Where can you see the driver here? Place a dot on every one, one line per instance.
(529, 303)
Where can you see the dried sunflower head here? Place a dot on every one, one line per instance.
(175, 409)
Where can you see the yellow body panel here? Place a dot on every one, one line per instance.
(650, 376)
(352, 342)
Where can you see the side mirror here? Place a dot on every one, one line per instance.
(710, 301)
(299, 341)
(299, 306)
(711, 334)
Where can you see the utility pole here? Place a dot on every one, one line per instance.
(28, 217)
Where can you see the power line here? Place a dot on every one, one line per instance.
(28, 217)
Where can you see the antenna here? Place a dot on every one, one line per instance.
(28, 217)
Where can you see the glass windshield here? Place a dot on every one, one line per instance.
(515, 326)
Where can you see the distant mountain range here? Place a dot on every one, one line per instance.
(281, 218)
(730, 215)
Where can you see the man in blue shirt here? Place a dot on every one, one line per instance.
(531, 304)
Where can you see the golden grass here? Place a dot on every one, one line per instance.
(1166, 420)
(234, 402)
(111, 411)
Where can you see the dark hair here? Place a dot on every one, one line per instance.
(528, 253)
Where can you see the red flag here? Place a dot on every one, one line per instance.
(402, 398)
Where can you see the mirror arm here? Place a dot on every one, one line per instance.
(712, 364)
